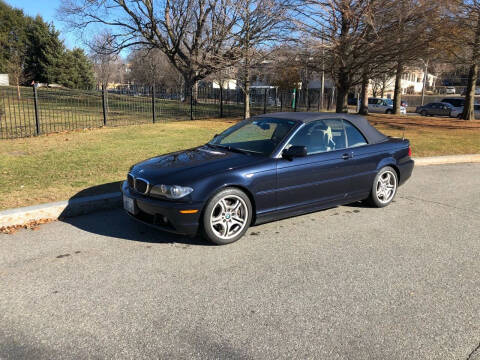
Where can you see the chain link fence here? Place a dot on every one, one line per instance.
(30, 111)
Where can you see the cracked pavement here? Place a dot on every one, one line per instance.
(350, 282)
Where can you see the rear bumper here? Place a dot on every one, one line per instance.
(164, 215)
(405, 168)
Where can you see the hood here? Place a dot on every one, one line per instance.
(184, 167)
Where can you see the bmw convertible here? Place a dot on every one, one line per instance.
(266, 168)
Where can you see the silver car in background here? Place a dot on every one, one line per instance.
(383, 106)
(457, 112)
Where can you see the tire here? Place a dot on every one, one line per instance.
(389, 112)
(227, 216)
(423, 113)
(384, 187)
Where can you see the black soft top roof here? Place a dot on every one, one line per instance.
(371, 134)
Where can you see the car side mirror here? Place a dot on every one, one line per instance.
(294, 152)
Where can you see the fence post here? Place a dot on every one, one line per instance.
(104, 105)
(295, 100)
(221, 102)
(265, 101)
(153, 103)
(191, 103)
(35, 105)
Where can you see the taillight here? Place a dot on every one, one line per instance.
(409, 151)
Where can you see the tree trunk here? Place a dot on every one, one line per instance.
(468, 108)
(246, 90)
(342, 93)
(188, 88)
(397, 93)
(364, 95)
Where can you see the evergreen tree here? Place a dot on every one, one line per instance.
(44, 53)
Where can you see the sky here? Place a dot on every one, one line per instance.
(47, 9)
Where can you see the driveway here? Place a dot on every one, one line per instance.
(347, 283)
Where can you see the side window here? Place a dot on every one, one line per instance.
(320, 136)
(371, 101)
(354, 136)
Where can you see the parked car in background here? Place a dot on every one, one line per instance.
(458, 111)
(435, 109)
(477, 92)
(383, 106)
(454, 101)
(450, 90)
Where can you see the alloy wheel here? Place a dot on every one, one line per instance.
(386, 187)
(229, 217)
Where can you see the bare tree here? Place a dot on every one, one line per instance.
(151, 67)
(15, 67)
(105, 63)
(464, 29)
(197, 36)
(354, 34)
(260, 24)
(415, 24)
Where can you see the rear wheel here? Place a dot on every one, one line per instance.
(389, 111)
(227, 216)
(384, 187)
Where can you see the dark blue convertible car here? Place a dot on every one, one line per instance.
(266, 168)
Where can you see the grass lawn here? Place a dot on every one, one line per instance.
(83, 162)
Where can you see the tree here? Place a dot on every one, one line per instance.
(105, 63)
(195, 35)
(151, 67)
(464, 23)
(354, 35)
(260, 23)
(76, 70)
(415, 24)
(45, 52)
(13, 43)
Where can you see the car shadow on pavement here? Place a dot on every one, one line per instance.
(116, 223)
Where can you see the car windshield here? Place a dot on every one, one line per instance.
(258, 136)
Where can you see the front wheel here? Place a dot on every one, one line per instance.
(384, 187)
(389, 112)
(227, 216)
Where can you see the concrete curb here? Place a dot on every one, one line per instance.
(60, 210)
(90, 204)
(448, 159)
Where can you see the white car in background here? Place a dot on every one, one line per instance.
(450, 90)
(383, 106)
(457, 111)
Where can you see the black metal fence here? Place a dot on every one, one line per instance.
(30, 111)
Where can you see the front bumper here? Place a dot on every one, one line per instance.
(163, 214)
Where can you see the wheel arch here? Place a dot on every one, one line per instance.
(392, 163)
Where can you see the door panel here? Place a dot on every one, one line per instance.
(318, 178)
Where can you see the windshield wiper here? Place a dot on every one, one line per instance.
(230, 148)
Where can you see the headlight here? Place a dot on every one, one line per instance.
(170, 191)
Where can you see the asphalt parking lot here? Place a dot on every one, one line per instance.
(351, 282)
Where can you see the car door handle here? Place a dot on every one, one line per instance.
(347, 156)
